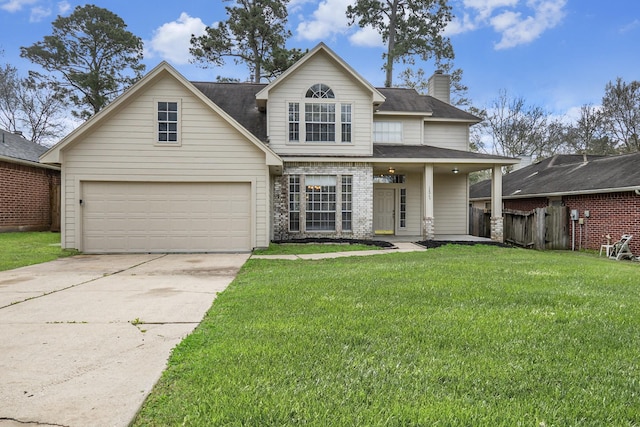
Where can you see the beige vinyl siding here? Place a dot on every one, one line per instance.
(320, 69)
(123, 148)
(447, 135)
(450, 204)
(411, 128)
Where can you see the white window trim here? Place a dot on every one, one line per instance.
(398, 122)
(302, 128)
(156, 140)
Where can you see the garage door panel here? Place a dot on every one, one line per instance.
(166, 217)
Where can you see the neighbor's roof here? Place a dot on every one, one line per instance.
(565, 174)
(18, 147)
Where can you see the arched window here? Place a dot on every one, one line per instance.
(320, 90)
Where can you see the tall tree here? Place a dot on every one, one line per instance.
(588, 135)
(91, 54)
(517, 128)
(254, 33)
(621, 110)
(30, 107)
(9, 84)
(418, 80)
(409, 28)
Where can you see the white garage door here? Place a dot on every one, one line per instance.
(166, 217)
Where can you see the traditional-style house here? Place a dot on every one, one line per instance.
(179, 166)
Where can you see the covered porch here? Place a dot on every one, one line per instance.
(428, 197)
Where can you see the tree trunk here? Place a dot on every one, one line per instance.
(388, 82)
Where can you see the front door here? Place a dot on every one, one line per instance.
(384, 207)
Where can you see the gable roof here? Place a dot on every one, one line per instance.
(239, 101)
(17, 149)
(406, 100)
(263, 95)
(565, 174)
(163, 69)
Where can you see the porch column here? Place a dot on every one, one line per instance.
(428, 227)
(496, 205)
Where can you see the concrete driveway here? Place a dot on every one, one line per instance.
(84, 339)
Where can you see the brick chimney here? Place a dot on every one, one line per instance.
(439, 86)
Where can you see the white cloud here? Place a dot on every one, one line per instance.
(171, 41)
(63, 7)
(505, 20)
(38, 13)
(327, 20)
(366, 37)
(517, 30)
(630, 26)
(517, 21)
(485, 8)
(16, 5)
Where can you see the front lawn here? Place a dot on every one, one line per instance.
(454, 336)
(26, 248)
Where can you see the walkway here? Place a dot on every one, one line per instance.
(399, 247)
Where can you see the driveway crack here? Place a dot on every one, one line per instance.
(82, 283)
(37, 423)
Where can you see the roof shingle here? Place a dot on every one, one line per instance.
(567, 174)
(18, 147)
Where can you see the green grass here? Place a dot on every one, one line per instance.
(312, 248)
(26, 248)
(454, 336)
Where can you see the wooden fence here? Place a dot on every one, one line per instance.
(54, 194)
(541, 228)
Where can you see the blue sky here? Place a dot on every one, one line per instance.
(556, 54)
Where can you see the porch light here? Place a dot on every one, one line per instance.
(392, 169)
(455, 170)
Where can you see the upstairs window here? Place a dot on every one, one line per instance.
(320, 90)
(294, 121)
(320, 122)
(167, 127)
(321, 119)
(345, 112)
(389, 132)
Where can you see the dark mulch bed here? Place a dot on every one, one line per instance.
(432, 244)
(429, 244)
(326, 240)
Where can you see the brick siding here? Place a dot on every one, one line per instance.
(25, 197)
(362, 200)
(614, 214)
(609, 213)
(526, 204)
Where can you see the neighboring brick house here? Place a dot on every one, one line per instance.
(179, 166)
(28, 189)
(605, 192)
